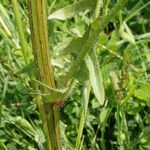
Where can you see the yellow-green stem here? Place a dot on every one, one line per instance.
(23, 44)
(39, 35)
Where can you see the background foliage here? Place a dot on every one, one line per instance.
(123, 49)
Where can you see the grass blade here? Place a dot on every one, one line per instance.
(95, 77)
(71, 10)
(83, 114)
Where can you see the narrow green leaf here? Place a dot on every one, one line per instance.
(3, 95)
(71, 10)
(7, 39)
(143, 36)
(4, 26)
(126, 33)
(25, 125)
(143, 93)
(135, 11)
(95, 77)
(7, 20)
(7, 29)
(86, 95)
(2, 146)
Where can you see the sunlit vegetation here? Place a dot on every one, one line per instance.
(74, 74)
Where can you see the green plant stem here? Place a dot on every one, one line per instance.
(103, 144)
(23, 44)
(39, 34)
(81, 144)
(83, 115)
(93, 143)
(23, 47)
(20, 29)
(105, 9)
(51, 6)
(124, 142)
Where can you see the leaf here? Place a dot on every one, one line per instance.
(97, 10)
(126, 33)
(57, 94)
(92, 41)
(86, 93)
(6, 20)
(4, 26)
(30, 67)
(3, 95)
(8, 30)
(104, 115)
(65, 142)
(2, 146)
(135, 10)
(25, 125)
(54, 94)
(71, 10)
(143, 93)
(75, 45)
(82, 74)
(95, 77)
(143, 36)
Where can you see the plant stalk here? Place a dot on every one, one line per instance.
(20, 29)
(23, 44)
(39, 34)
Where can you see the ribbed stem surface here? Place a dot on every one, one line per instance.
(39, 34)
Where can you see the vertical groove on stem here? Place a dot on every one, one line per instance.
(39, 34)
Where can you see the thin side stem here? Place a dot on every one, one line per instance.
(83, 115)
(20, 29)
